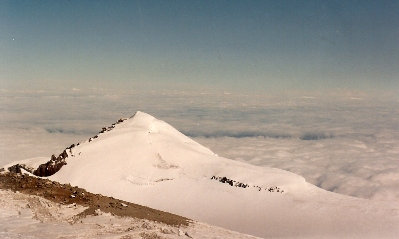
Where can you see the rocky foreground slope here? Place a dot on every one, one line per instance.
(66, 194)
(32, 207)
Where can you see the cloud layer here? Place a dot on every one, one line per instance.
(346, 143)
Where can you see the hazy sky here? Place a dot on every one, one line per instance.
(226, 44)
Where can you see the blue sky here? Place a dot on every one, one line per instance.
(253, 45)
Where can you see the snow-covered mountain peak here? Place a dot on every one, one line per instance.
(144, 151)
(142, 117)
(149, 123)
(150, 132)
(143, 120)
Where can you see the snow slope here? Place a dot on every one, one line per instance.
(147, 161)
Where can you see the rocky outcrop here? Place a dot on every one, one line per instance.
(52, 166)
(17, 168)
(230, 182)
(106, 129)
(235, 183)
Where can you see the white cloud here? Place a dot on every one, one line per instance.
(343, 145)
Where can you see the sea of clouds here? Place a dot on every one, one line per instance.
(343, 142)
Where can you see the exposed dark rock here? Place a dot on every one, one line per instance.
(275, 189)
(52, 166)
(15, 168)
(63, 155)
(103, 130)
(48, 169)
(230, 182)
(234, 183)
